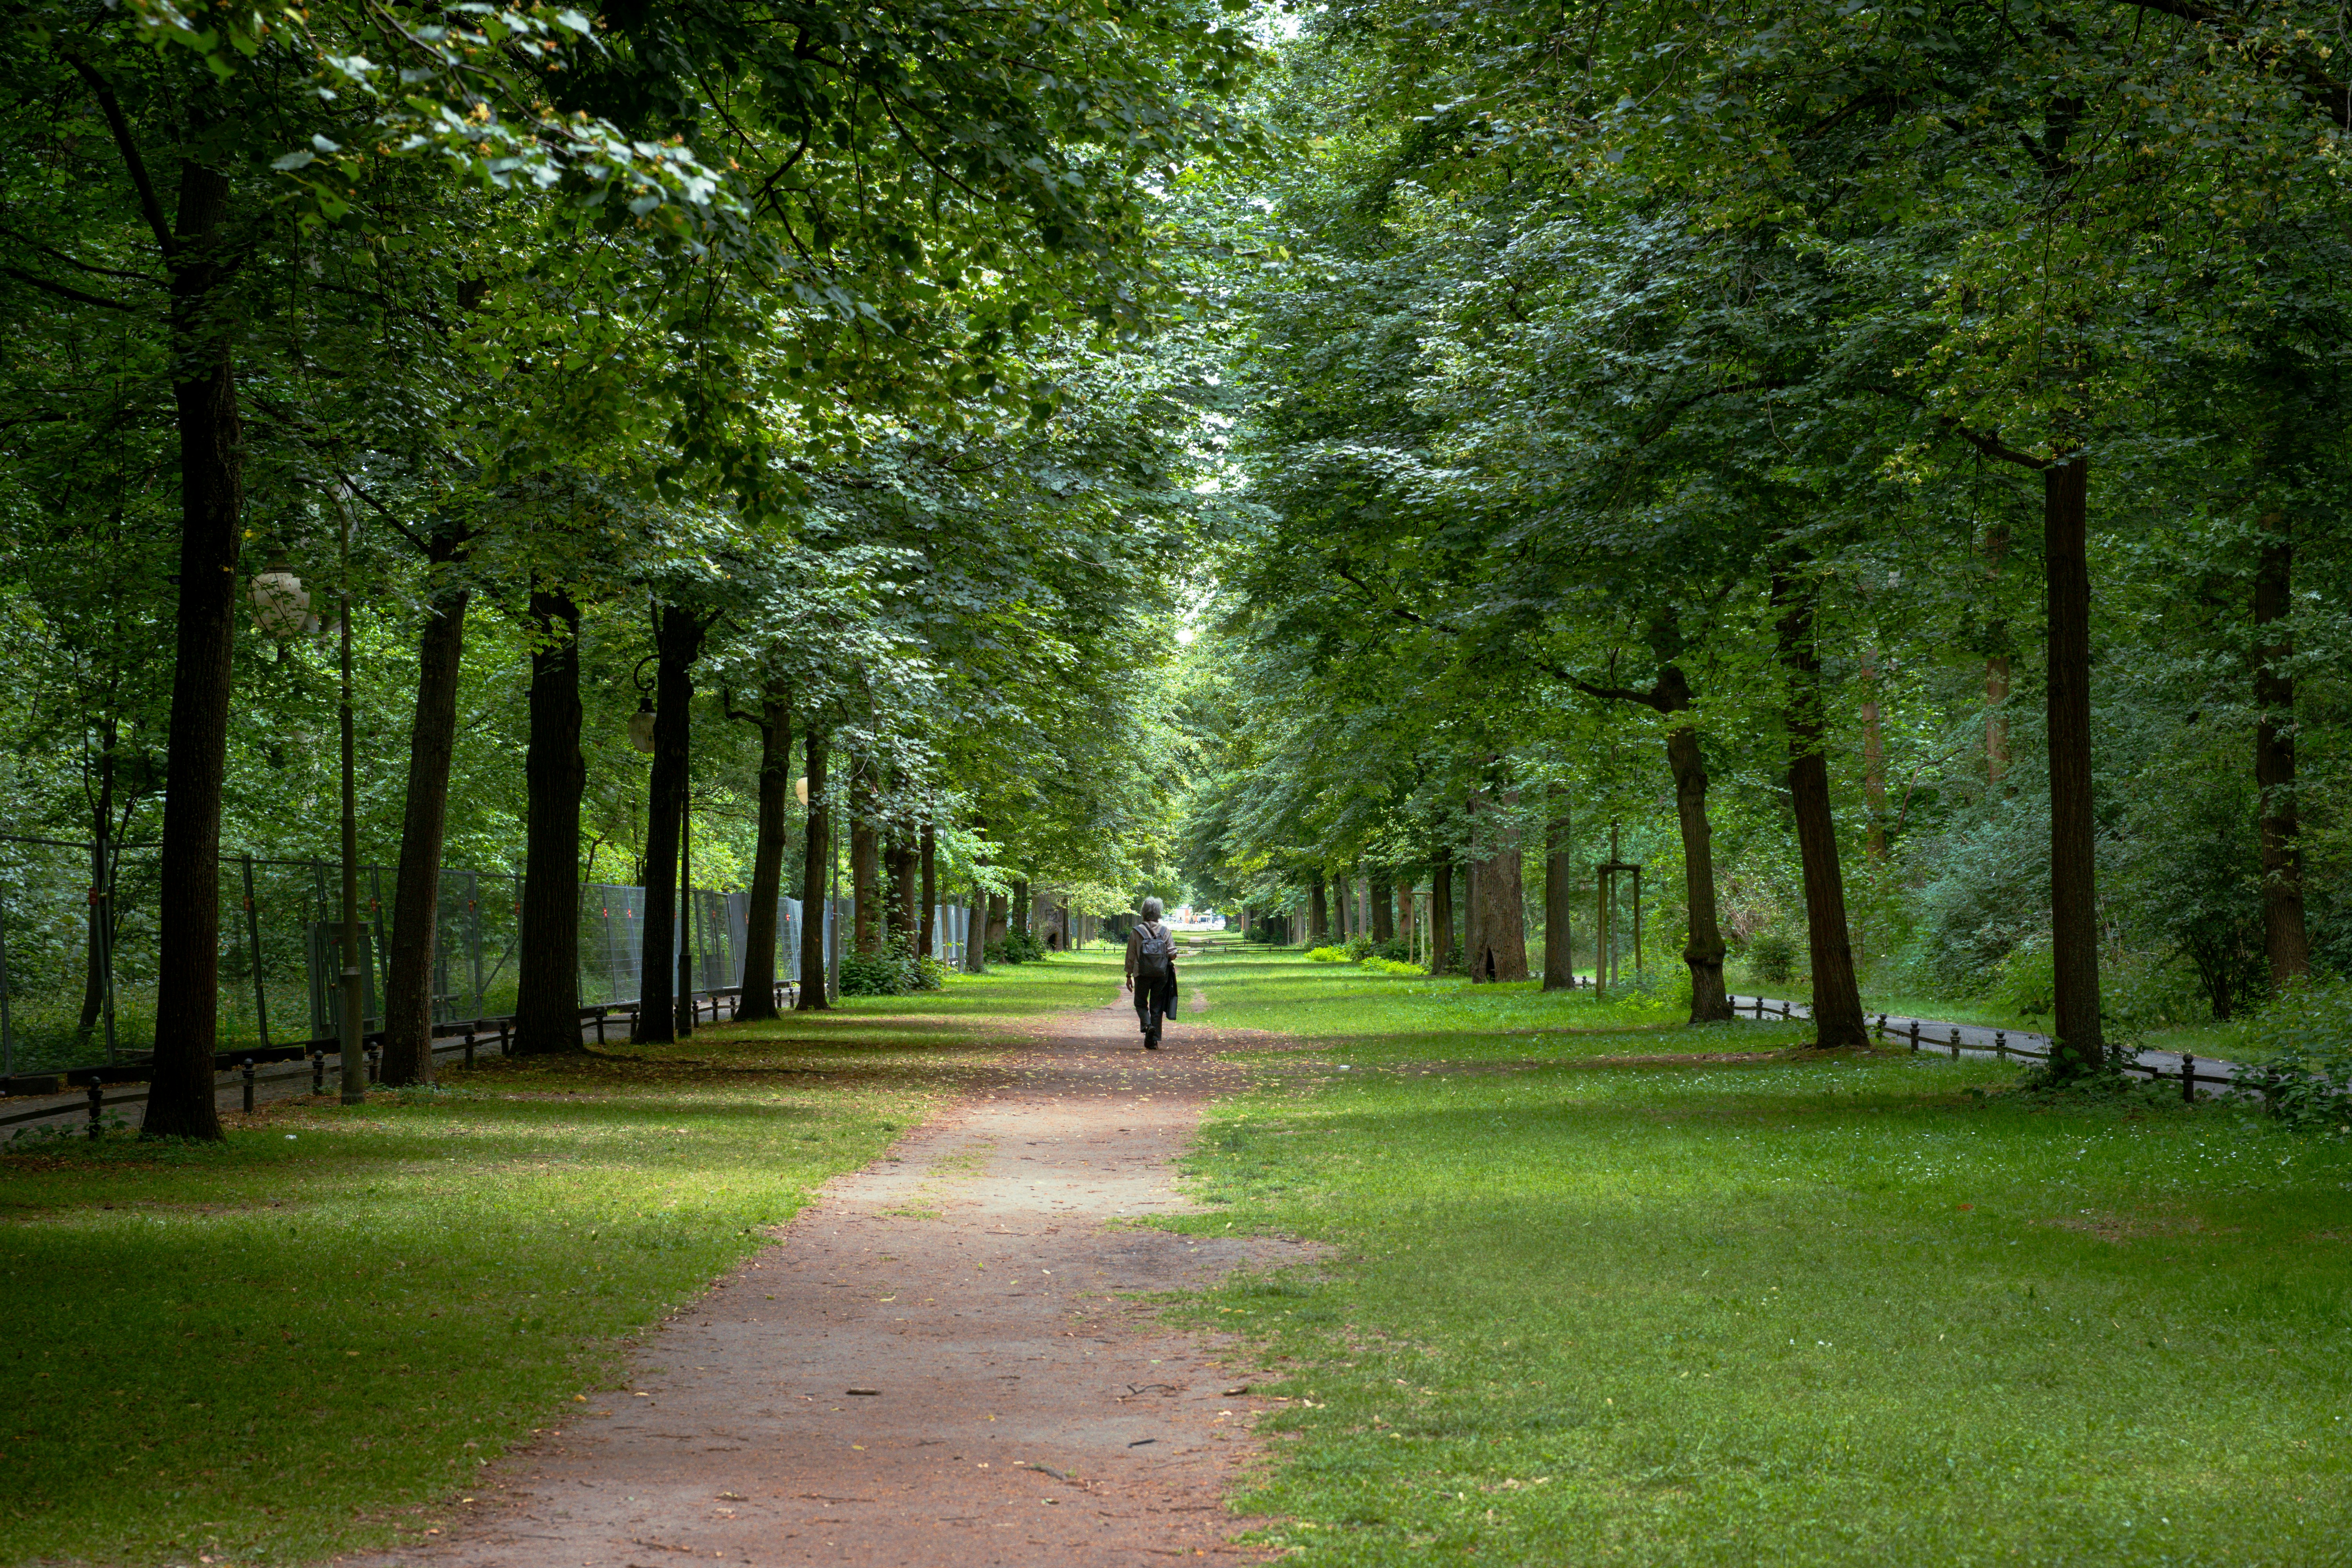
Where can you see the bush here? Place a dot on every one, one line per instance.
(1379, 965)
(2028, 978)
(2301, 1047)
(897, 972)
(1359, 946)
(1396, 949)
(873, 975)
(1329, 955)
(1016, 947)
(1772, 957)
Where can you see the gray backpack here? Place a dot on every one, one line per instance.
(1155, 952)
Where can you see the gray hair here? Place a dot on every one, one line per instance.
(1152, 908)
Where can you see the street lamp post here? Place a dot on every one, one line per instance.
(281, 608)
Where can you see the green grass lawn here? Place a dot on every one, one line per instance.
(1838, 1310)
(307, 1341)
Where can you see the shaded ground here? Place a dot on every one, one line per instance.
(1011, 1406)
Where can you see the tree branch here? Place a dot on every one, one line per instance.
(128, 147)
(60, 289)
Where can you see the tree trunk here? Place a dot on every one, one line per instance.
(1000, 919)
(1837, 1000)
(2080, 1044)
(1996, 688)
(1874, 763)
(1441, 912)
(1384, 913)
(417, 885)
(1318, 917)
(1996, 678)
(98, 931)
(1498, 927)
(212, 504)
(864, 861)
(1405, 914)
(975, 931)
(1703, 953)
(758, 1000)
(678, 641)
(926, 932)
(547, 960)
(816, 860)
(2284, 938)
(1560, 890)
(904, 865)
(1021, 901)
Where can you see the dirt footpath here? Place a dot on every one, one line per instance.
(933, 1364)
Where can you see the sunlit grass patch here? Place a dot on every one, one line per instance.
(1831, 1311)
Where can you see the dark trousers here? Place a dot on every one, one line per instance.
(1154, 1000)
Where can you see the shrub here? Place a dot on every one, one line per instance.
(2028, 978)
(1379, 965)
(2301, 1047)
(1396, 949)
(1359, 946)
(872, 974)
(1329, 954)
(928, 974)
(1772, 957)
(1016, 947)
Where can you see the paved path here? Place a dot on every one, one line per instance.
(934, 1363)
(1983, 1040)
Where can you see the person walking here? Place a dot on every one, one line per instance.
(1152, 973)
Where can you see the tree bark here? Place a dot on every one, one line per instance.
(1318, 916)
(98, 931)
(2284, 939)
(903, 869)
(758, 1001)
(1874, 763)
(1000, 919)
(678, 642)
(1440, 911)
(1404, 913)
(547, 961)
(925, 936)
(1996, 718)
(975, 931)
(1021, 901)
(865, 860)
(1837, 999)
(1996, 680)
(417, 885)
(1703, 952)
(1498, 927)
(816, 859)
(1560, 890)
(212, 505)
(1384, 913)
(2080, 1046)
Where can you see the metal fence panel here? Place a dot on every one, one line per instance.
(78, 958)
